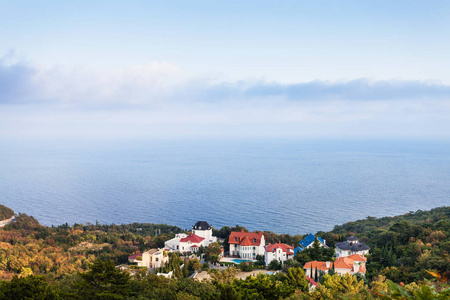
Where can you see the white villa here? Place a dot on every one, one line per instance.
(191, 243)
(350, 247)
(153, 258)
(204, 230)
(280, 252)
(174, 244)
(201, 235)
(246, 244)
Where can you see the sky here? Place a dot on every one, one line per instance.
(172, 69)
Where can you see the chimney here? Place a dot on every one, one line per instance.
(328, 264)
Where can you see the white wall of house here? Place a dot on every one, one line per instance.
(187, 246)
(207, 235)
(248, 252)
(278, 254)
(345, 253)
(174, 243)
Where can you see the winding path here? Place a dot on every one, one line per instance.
(7, 221)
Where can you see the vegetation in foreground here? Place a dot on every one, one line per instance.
(409, 259)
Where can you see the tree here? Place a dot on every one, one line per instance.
(185, 269)
(213, 252)
(315, 252)
(194, 265)
(224, 232)
(274, 265)
(262, 287)
(297, 279)
(103, 281)
(260, 261)
(30, 287)
(340, 287)
(246, 266)
(225, 277)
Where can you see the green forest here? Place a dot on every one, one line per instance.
(5, 212)
(409, 259)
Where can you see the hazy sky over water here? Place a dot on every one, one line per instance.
(225, 68)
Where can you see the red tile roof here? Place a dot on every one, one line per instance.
(135, 256)
(311, 281)
(193, 238)
(246, 241)
(249, 238)
(285, 248)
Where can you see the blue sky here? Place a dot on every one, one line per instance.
(225, 68)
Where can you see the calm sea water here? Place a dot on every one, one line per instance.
(286, 186)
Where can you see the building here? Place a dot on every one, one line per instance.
(352, 264)
(204, 230)
(279, 252)
(201, 229)
(351, 246)
(308, 242)
(174, 244)
(191, 243)
(246, 244)
(153, 258)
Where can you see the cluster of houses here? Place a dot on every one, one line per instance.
(350, 254)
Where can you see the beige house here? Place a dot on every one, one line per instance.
(351, 264)
(153, 258)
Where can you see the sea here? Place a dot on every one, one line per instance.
(292, 186)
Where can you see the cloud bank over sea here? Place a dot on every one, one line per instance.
(160, 100)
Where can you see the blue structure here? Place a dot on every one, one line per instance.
(307, 241)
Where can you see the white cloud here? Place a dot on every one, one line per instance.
(158, 100)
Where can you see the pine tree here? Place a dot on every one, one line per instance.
(316, 252)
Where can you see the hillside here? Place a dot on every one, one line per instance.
(65, 259)
(5, 212)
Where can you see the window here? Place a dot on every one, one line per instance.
(254, 248)
(156, 259)
(235, 239)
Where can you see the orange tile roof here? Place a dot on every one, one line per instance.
(254, 238)
(320, 265)
(340, 263)
(357, 257)
(343, 263)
